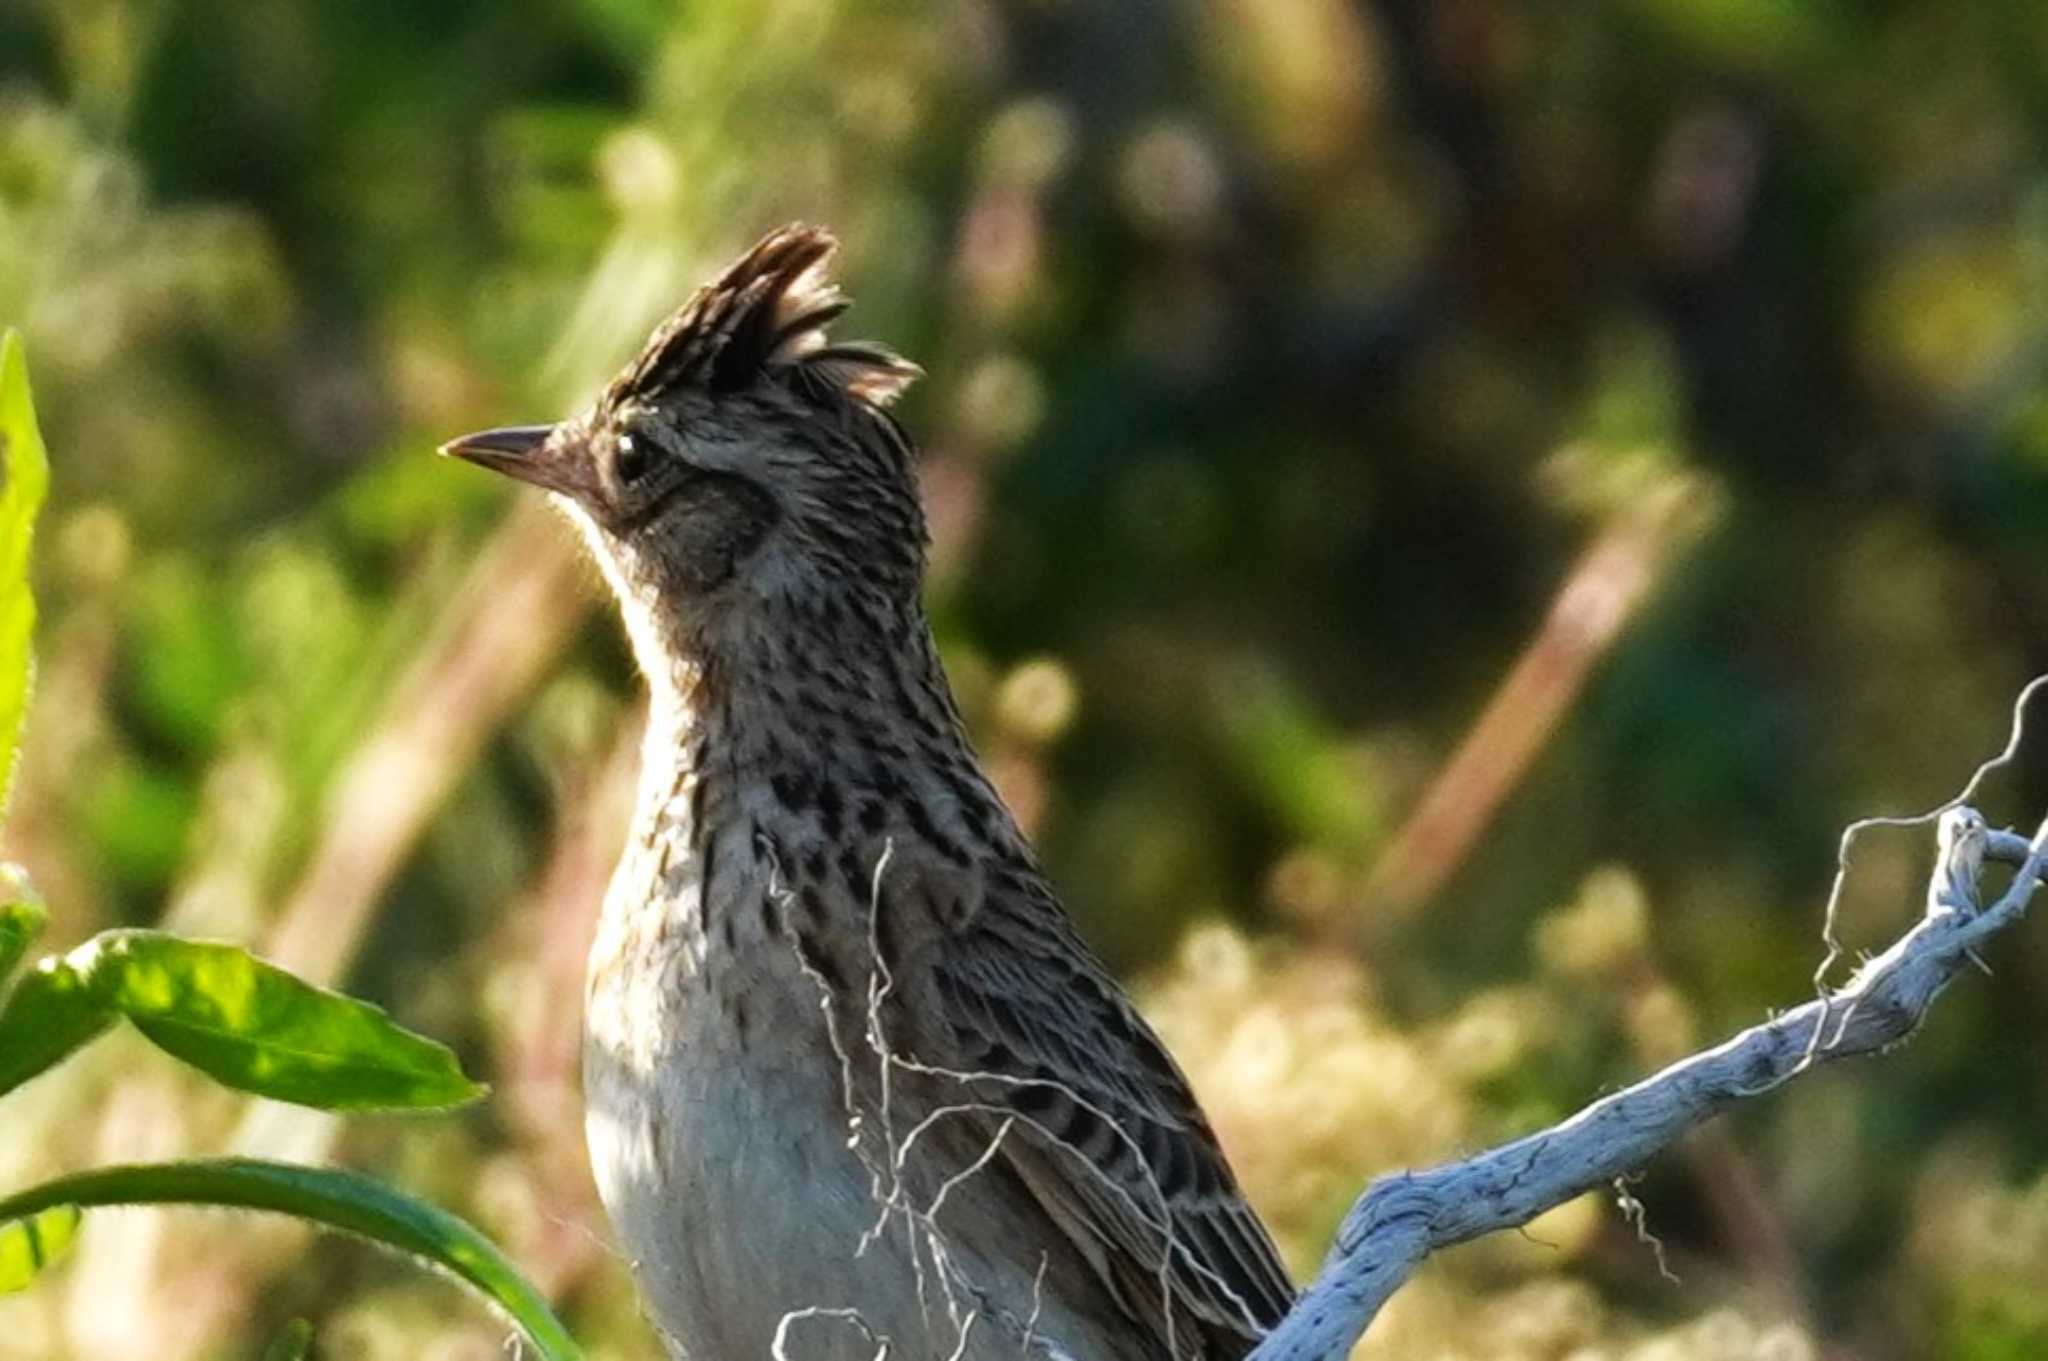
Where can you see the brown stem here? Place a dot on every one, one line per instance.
(510, 617)
(1606, 588)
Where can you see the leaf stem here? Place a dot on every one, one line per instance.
(335, 1198)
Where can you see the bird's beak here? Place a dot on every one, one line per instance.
(520, 451)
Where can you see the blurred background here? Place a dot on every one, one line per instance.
(1442, 510)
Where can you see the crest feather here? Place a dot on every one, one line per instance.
(768, 310)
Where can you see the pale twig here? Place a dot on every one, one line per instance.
(885, 1180)
(1037, 1302)
(2015, 733)
(881, 982)
(988, 1153)
(1164, 1225)
(1401, 1219)
(780, 1347)
(1830, 937)
(1638, 1216)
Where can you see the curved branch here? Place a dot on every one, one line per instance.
(1403, 1218)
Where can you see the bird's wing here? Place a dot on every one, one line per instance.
(1125, 1161)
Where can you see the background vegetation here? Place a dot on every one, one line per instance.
(1664, 380)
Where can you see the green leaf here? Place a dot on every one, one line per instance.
(341, 1200)
(31, 1242)
(51, 1013)
(22, 919)
(253, 1026)
(24, 479)
(295, 1343)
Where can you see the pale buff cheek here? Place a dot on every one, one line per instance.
(636, 604)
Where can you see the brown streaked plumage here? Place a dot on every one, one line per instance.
(850, 1074)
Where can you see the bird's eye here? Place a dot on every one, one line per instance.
(630, 460)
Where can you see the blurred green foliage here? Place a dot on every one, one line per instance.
(241, 1021)
(27, 481)
(1284, 357)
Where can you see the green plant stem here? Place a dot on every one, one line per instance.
(338, 1199)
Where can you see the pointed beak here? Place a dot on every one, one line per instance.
(520, 451)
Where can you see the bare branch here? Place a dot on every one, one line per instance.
(2014, 736)
(1403, 1218)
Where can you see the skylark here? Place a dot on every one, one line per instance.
(854, 1085)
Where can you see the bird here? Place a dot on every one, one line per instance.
(854, 1085)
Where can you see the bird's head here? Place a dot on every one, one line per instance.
(741, 460)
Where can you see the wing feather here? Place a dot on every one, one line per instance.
(1124, 1154)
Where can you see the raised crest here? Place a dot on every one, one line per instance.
(768, 310)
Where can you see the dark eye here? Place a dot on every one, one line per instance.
(630, 460)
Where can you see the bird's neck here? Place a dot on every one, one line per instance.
(814, 720)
